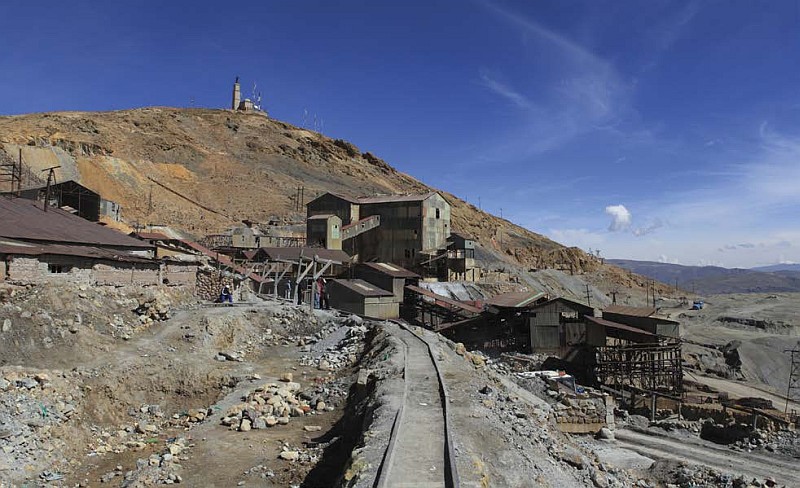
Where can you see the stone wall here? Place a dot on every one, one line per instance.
(125, 274)
(2, 270)
(582, 413)
(211, 282)
(68, 269)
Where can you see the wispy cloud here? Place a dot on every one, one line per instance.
(583, 92)
(504, 91)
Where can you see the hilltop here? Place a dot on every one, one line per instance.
(239, 166)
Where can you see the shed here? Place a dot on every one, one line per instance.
(387, 276)
(362, 298)
(643, 318)
(558, 324)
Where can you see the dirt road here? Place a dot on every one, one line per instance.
(698, 452)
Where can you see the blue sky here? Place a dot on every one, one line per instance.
(660, 130)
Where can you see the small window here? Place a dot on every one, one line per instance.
(56, 268)
(437, 213)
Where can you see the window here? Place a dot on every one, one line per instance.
(56, 268)
(437, 213)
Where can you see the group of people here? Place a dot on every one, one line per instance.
(320, 293)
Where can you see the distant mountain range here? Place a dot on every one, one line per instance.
(711, 280)
(779, 267)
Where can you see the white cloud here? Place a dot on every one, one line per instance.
(620, 218)
(504, 91)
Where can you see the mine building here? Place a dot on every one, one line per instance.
(461, 264)
(41, 244)
(625, 348)
(407, 230)
(362, 298)
(72, 197)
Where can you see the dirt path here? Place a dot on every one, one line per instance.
(738, 389)
(417, 459)
(693, 451)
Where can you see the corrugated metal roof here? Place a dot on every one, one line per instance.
(395, 198)
(363, 288)
(391, 270)
(615, 325)
(76, 251)
(439, 299)
(152, 236)
(321, 217)
(632, 311)
(293, 253)
(521, 299)
(25, 220)
(574, 303)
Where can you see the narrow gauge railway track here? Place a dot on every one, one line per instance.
(420, 452)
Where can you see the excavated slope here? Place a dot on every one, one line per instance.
(203, 170)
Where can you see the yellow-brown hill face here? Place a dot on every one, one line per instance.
(239, 166)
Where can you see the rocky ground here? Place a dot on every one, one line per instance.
(155, 388)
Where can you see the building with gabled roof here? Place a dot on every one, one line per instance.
(405, 229)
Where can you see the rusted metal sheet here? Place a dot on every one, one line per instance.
(522, 299)
(76, 251)
(25, 220)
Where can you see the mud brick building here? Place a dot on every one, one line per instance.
(38, 246)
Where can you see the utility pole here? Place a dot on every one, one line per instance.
(614, 297)
(588, 296)
(794, 374)
(51, 176)
(150, 200)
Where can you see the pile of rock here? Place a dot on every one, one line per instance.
(475, 357)
(272, 404)
(33, 406)
(335, 347)
(160, 468)
(152, 310)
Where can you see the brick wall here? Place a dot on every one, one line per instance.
(125, 274)
(49, 269)
(180, 274)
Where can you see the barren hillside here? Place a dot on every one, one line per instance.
(241, 166)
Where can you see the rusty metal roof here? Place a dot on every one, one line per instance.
(308, 253)
(395, 198)
(618, 326)
(632, 311)
(392, 270)
(522, 299)
(25, 220)
(76, 251)
(363, 288)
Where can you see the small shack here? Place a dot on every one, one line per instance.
(387, 276)
(557, 325)
(644, 318)
(362, 298)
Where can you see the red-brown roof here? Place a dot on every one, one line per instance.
(615, 325)
(77, 251)
(26, 221)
